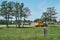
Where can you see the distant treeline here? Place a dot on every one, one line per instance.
(2, 22)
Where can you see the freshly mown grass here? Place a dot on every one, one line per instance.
(29, 33)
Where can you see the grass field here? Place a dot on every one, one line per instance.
(29, 33)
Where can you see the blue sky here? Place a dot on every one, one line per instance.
(37, 7)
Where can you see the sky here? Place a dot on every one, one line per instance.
(37, 7)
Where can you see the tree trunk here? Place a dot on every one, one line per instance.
(19, 22)
(23, 22)
(7, 21)
(16, 21)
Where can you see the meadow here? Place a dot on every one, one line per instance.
(29, 33)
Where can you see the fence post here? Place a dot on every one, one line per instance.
(45, 32)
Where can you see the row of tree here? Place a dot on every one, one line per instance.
(13, 22)
(8, 10)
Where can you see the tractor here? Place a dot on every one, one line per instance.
(40, 24)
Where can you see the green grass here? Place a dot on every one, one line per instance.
(31, 33)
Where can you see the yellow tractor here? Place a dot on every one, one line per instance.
(40, 24)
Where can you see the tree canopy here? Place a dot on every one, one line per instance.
(49, 15)
(8, 10)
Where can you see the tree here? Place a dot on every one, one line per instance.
(21, 6)
(10, 6)
(4, 12)
(16, 12)
(26, 13)
(49, 15)
(37, 20)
